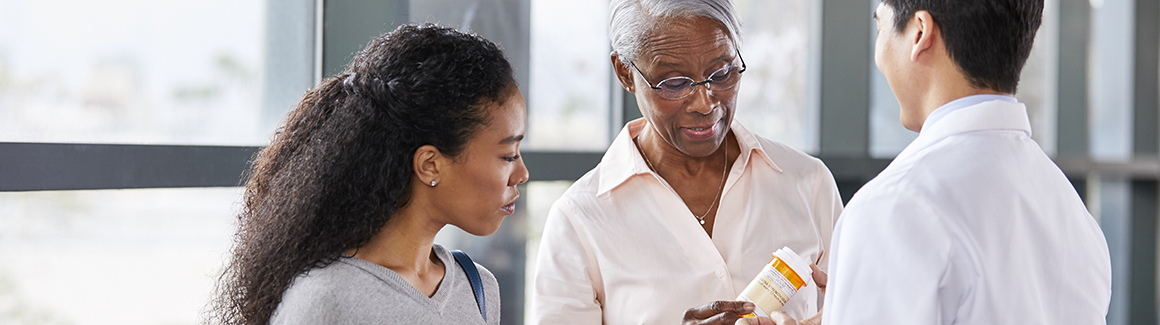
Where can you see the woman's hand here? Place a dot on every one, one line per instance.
(781, 318)
(717, 312)
(729, 312)
(777, 318)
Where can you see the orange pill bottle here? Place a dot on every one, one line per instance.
(778, 280)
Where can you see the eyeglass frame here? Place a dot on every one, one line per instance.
(694, 83)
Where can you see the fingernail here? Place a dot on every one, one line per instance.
(748, 307)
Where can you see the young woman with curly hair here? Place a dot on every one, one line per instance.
(420, 131)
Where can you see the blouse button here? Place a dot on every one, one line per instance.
(720, 273)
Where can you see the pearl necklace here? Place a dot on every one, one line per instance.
(720, 188)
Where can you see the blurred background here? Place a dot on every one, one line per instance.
(126, 125)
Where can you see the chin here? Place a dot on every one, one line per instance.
(912, 124)
(701, 153)
(702, 148)
(910, 120)
(483, 229)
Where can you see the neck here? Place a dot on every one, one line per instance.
(404, 243)
(939, 91)
(664, 157)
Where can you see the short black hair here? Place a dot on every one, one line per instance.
(989, 40)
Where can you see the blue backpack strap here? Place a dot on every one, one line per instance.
(472, 276)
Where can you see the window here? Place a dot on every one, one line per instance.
(112, 256)
(125, 71)
(571, 76)
(184, 72)
(777, 98)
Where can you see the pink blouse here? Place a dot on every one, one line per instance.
(620, 247)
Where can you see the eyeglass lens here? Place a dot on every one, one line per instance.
(678, 87)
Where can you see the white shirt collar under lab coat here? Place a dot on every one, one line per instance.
(961, 103)
(989, 114)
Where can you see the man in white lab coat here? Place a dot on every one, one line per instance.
(972, 223)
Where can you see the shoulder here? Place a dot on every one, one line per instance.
(887, 201)
(894, 221)
(779, 151)
(332, 280)
(491, 291)
(972, 153)
(490, 288)
(489, 282)
(994, 166)
(587, 185)
(324, 294)
(788, 157)
(795, 162)
(485, 275)
(580, 196)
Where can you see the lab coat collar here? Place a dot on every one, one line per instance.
(623, 160)
(961, 103)
(990, 115)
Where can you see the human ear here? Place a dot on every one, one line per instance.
(426, 164)
(924, 39)
(622, 72)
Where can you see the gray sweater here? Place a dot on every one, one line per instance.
(354, 291)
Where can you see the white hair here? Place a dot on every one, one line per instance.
(631, 21)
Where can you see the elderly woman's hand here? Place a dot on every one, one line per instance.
(729, 312)
(717, 312)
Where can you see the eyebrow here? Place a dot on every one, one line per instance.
(511, 139)
(724, 56)
(677, 65)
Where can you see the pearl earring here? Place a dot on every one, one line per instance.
(432, 183)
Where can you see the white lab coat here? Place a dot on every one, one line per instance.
(971, 224)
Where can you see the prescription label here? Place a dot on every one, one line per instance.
(775, 284)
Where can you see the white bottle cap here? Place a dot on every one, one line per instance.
(795, 262)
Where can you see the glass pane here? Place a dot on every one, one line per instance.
(1110, 79)
(776, 96)
(112, 256)
(1112, 207)
(1110, 93)
(1038, 84)
(570, 76)
(541, 196)
(135, 71)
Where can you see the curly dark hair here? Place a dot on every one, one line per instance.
(341, 164)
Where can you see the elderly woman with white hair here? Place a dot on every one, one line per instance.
(687, 205)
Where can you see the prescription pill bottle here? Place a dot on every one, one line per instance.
(779, 280)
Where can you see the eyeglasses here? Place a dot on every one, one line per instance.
(680, 87)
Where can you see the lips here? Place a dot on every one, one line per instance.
(700, 133)
(509, 208)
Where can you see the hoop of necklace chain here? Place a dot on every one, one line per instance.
(721, 187)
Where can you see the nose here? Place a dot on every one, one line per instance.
(700, 101)
(521, 174)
